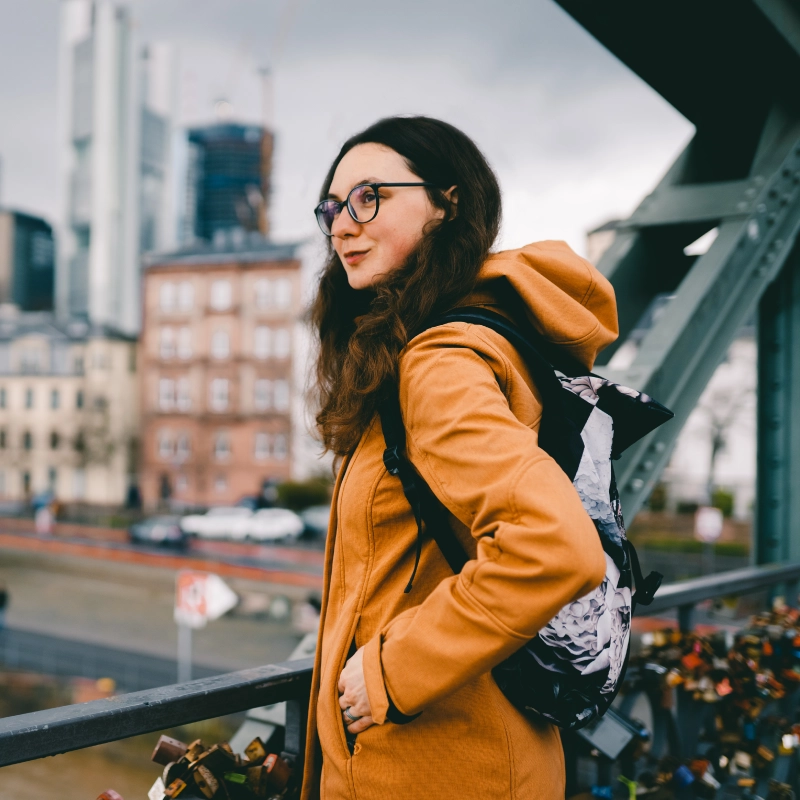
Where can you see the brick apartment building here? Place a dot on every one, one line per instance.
(216, 366)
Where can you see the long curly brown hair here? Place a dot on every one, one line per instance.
(361, 332)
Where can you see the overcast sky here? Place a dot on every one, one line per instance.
(574, 136)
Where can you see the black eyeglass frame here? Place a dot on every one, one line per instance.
(318, 211)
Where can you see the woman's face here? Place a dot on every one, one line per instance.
(371, 250)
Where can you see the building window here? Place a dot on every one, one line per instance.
(220, 345)
(261, 449)
(219, 394)
(183, 447)
(27, 440)
(220, 484)
(261, 342)
(280, 398)
(263, 290)
(282, 344)
(283, 293)
(55, 399)
(78, 365)
(55, 440)
(166, 346)
(3, 397)
(221, 295)
(52, 479)
(280, 447)
(184, 396)
(185, 295)
(166, 296)
(164, 444)
(181, 483)
(79, 399)
(185, 343)
(100, 360)
(222, 446)
(29, 398)
(166, 394)
(79, 484)
(262, 390)
(3, 439)
(26, 483)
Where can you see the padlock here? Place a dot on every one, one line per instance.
(167, 750)
(110, 794)
(205, 781)
(175, 788)
(217, 759)
(270, 777)
(255, 751)
(172, 771)
(195, 749)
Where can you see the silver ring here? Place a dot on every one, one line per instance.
(349, 716)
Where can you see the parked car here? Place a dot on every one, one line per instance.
(274, 524)
(158, 530)
(224, 522)
(315, 521)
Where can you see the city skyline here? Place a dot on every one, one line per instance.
(574, 136)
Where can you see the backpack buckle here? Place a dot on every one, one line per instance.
(392, 460)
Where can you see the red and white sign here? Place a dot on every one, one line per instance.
(708, 524)
(200, 597)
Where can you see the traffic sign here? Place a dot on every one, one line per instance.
(708, 524)
(200, 597)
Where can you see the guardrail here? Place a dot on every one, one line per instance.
(45, 733)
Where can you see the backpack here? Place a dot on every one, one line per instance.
(572, 670)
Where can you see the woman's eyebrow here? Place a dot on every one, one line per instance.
(334, 196)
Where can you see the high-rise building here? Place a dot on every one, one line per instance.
(227, 171)
(115, 103)
(218, 361)
(27, 261)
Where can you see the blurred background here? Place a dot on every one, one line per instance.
(159, 163)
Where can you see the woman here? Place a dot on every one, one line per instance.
(403, 703)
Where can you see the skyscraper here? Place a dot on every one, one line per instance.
(228, 170)
(26, 261)
(115, 103)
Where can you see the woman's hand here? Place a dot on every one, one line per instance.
(353, 694)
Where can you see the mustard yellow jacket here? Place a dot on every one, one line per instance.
(472, 415)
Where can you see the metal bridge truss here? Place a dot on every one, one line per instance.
(732, 67)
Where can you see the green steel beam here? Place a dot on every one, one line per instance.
(705, 202)
(778, 490)
(715, 298)
(785, 16)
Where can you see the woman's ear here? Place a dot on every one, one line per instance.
(452, 195)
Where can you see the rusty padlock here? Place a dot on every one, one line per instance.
(205, 781)
(175, 788)
(168, 749)
(255, 751)
(270, 777)
(194, 750)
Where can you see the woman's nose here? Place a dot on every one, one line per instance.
(344, 225)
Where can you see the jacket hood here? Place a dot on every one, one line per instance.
(568, 301)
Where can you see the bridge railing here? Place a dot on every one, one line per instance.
(26, 737)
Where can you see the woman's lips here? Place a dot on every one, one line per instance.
(355, 256)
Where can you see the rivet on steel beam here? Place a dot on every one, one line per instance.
(773, 192)
(742, 205)
(646, 466)
(761, 208)
(637, 484)
(659, 447)
(771, 218)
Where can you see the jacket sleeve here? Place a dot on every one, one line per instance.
(537, 549)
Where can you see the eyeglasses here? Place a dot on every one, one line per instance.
(362, 204)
